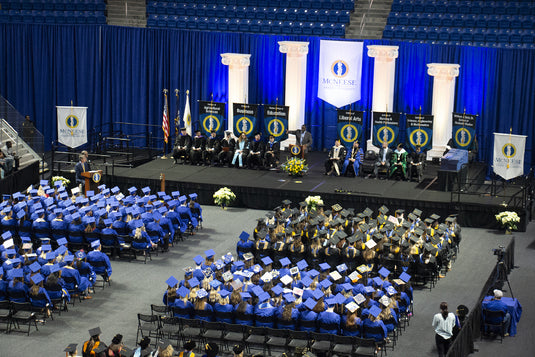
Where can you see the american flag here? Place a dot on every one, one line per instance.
(165, 121)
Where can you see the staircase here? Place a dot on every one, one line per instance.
(131, 13)
(25, 153)
(369, 19)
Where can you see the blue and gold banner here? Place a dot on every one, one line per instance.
(385, 128)
(464, 130)
(245, 119)
(419, 132)
(211, 117)
(349, 126)
(276, 121)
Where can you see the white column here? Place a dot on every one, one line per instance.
(383, 82)
(238, 81)
(295, 84)
(443, 99)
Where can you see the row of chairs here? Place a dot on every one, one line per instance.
(518, 36)
(464, 7)
(15, 314)
(179, 330)
(303, 4)
(52, 17)
(54, 5)
(462, 20)
(245, 12)
(254, 26)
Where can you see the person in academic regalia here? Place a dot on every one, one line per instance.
(227, 145)
(197, 148)
(272, 153)
(211, 149)
(182, 146)
(353, 159)
(256, 152)
(417, 161)
(334, 162)
(398, 163)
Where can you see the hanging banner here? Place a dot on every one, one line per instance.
(385, 128)
(349, 126)
(419, 131)
(509, 155)
(464, 130)
(245, 119)
(276, 121)
(340, 70)
(211, 117)
(72, 126)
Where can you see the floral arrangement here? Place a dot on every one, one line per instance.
(223, 197)
(63, 180)
(313, 202)
(295, 166)
(508, 219)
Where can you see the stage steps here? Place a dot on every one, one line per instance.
(132, 13)
(369, 19)
(25, 153)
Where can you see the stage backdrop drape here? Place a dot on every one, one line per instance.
(119, 74)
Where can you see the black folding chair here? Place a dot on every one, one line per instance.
(6, 314)
(277, 339)
(23, 313)
(344, 345)
(147, 326)
(320, 342)
(493, 321)
(256, 339)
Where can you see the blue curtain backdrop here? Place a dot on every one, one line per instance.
(119, 74)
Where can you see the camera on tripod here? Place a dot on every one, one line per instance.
(499, 252)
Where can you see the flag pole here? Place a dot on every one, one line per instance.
(177, 117)
(165, 124)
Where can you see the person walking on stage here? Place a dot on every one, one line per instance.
(443, 323)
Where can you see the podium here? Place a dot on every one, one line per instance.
(92, 178)
(297, 150)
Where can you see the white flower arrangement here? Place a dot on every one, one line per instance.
(64, 182)
(508, 219)
(224, 196)
(313, 202)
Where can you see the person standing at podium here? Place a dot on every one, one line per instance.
(302, 138)
(81, 167)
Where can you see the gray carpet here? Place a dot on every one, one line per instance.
(135, 286)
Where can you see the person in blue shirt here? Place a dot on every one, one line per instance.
(76, 226)
(72, 278)
(84, 268)
(182, 307)
(99, 261)
(185, 215)
(54, 288)
(370, 321)
(39, 296)
(8, 222)
(265, 311)
(108, 234)
(202, 310)
(223, 310)
(58, 225)
(496, 304)
(17, 290)
(244, 245)
(287, 314)
(351, 324)
(155, 231)
(3, 286)
(40, 225)
(25, 225)
(308, 317)
(244, 312)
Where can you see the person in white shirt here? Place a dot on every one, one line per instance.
(443, 323)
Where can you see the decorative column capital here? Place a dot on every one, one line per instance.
(443, 70)
(383, 53)
(236, 59)
(293, 48)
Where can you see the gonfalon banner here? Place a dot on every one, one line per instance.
(349, 126)
(385, 128)
(211, 117)
(245, 119)
(276, 121)
(464, 130)
(72, 126)
(419, 131)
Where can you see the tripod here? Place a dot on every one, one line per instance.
(501, 276)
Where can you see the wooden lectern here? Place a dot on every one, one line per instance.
(91, 176)
(297, 150)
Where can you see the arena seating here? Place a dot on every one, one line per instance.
(305, 17)
(53, 11)
(478, 23)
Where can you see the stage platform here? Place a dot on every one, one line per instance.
(265, 189)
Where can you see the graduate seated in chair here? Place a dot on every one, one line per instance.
(398, 164)
(353, 159)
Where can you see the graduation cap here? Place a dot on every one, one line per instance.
(310, 303)
(287, 280)
(384, 300)
(267, 260)
(325, 283)
(336, 207)
(318, 294)
(374, 310)
(95, 331)
(224, 293)
(202, 293)
(248, 256)
(244, 236)
(384, 272)
(35, 267)
(37, 278)
(215, 284)
(245, 295)
(302, 264)
(132, 190)
(267, 277)
(359, 298)
(61, 250)
(369, 289)
(193, 196)
(146, 190)
(277, 290)
(209, 253)
(71, 348)
(417, 212)
(69, 258)
(257, 290)
(289, 298)
(285, 261)
(294, 270)
(404, 277)
(370, 244)
(306, 281)
(352, 306)
(313, 273)
(182, 291)
(54, 268)
(95, 244)
(347, 287)
(50, 256)
(378, 281)
(335, 275)
(172, 281)
(325, 266)
(193, 282)
(383, 209)
(198, 260)
(429, 221)
(391, 290)
(434, 217)
(286, 202)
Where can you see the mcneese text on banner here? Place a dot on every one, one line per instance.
(340, 72)
(509, 155)
(72, 126)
